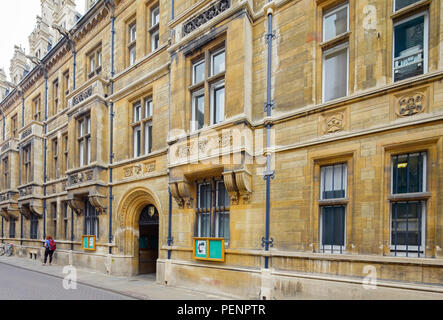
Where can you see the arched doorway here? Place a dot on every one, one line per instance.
(148, 240)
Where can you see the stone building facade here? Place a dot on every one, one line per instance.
(305, 134)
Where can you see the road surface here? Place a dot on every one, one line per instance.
(20, 284)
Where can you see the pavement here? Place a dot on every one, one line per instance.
(46, 282)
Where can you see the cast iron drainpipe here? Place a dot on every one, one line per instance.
(111, 113)
(45, 156)
(170, 239)
(267, 242)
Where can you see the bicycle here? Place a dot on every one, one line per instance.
(6, 249)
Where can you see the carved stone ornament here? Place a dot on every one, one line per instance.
(410, 105)
(238, 184)
(99, 202)
(34, 207)
(82, 96)
(199, 20)
(139, 169)
(77, 205)
(334, 123)
(180, 191)
(10, 211)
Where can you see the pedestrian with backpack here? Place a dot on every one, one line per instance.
(50, 249)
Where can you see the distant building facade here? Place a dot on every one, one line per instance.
(307, 135)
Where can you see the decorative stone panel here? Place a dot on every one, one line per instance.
(203, 17)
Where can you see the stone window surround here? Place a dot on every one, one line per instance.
(429, 147)
(403, 17)
(55, 146)
(339, 42)
(55, 97)
(27, 163)
(131, 44)
(37, 108)
(152, 29)
(347, 158)
(142, 123)
(95, 56)
(14, 125)
(6, 181)
(208, 84)
(83, 137)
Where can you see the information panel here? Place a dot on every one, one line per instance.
(89, 243)
(209, 249)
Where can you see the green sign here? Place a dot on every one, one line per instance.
(209, 249)
(89, 243)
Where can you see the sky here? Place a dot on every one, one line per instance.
(17, 21)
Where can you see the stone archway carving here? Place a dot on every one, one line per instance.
(129, 212)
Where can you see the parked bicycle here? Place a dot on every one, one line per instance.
(6, 249)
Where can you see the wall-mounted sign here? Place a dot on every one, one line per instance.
(89, 243)
(209, 249)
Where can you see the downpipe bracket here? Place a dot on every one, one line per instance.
(267, 243)
(269, 106)
(269, 174)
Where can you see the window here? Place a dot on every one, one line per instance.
(65, 220)
(400, 4)
(84, 140)
(410, 47)
(36, 103)
(27, 174)
(6, 183)
(65, 153)
(91, 220)
(34, 226)
(154, 30)
(132, 45)
(54, 219)
(408, 178)
(218, 62)
(335, 58)
(14, 126)
(12, 228)
(95, 62)
(208, 85)
(148, 137)
(336, 22)
(66, 88)
(198, 72)
(137, 141)
(333, 186)
(198, 110)
(55, 97)
(213, 207)
(55, 171)
(142, 127)
(218, 102)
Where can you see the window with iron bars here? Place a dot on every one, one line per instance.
(91, 220)
(34, 226)
(12, 228)
(213, 210)
(333, 215)
(408, 212)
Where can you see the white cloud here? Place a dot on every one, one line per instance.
(17, 20)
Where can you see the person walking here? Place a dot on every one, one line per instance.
(50, 249)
